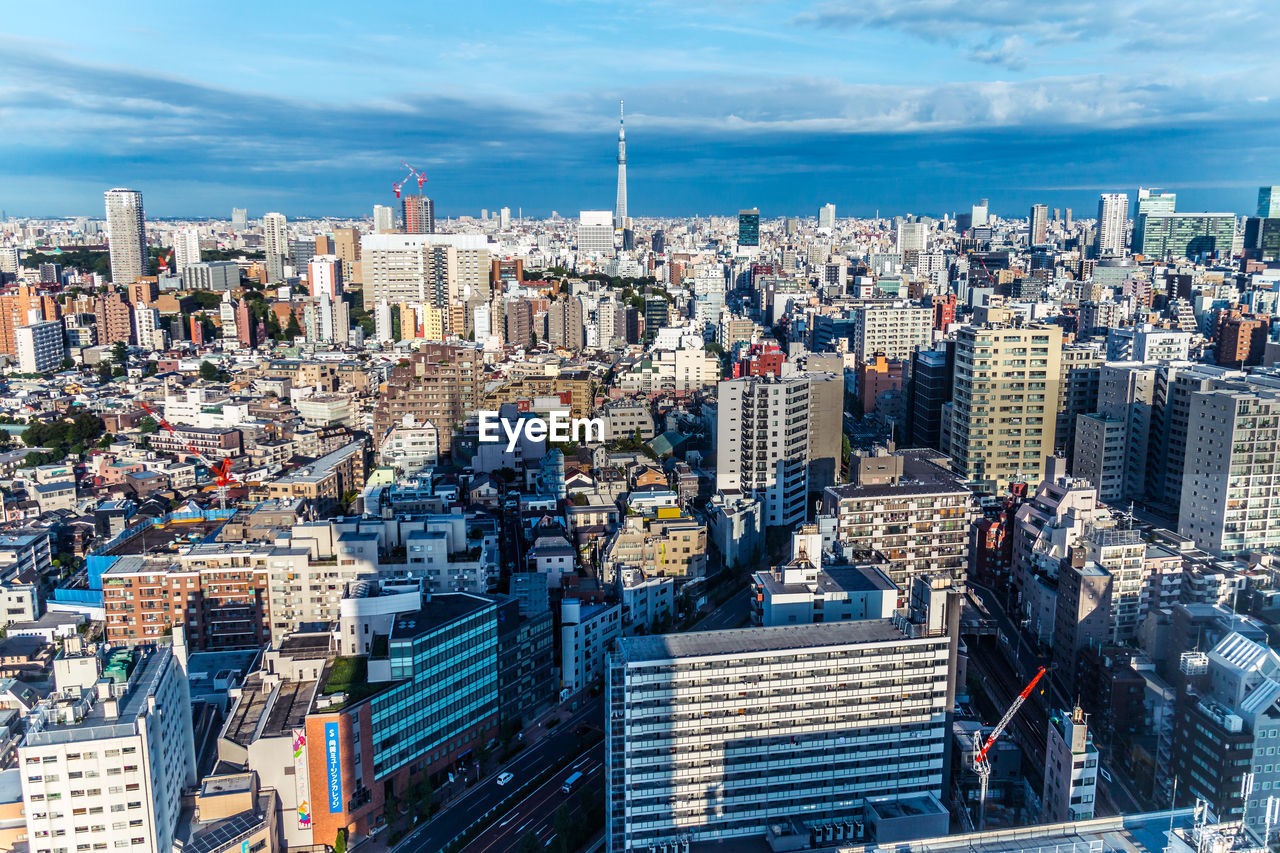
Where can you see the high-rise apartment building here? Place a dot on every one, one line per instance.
(827, 216)
(909, 507)
(384, 219)
(1004, 404)
(565, 324)
(1113, 223)
(417, 215)
(1232, 471)
(440, 384)
(749, 227)
(239, 218)
(770, 433)
(275, 235)
(1038, 225)
(127, 235)
(894, 329)
(186, 248)
(40, 346)
(698, 748)
(107, 768)
(1225, 723)
(324, 275)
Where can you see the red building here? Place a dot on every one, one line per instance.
(944, 311)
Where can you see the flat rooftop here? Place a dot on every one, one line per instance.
(439, 610)
(1136, 833)
(748, 640)
(268, 713)
(143, 683)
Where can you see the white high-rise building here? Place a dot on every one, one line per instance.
(1113, 223)
(9, 259)
(324, 275)
(896, 329)
(146, 322)
(980, 214)
(40, 346)
(275, 235)
(912, 236)
(595, 233)
(827, 216)
(107, 766)
(227, 314)
(714, 736)
(186, 248)
(504, 218)
(384, 219)
(239, 218)
(382, 322)
(127, 235)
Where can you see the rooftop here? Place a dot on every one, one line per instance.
(438, 610)
(144, 682)
(748, 640)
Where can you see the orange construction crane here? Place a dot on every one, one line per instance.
(221, 471)
(981, 765)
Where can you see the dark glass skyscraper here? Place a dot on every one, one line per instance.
(749, 227)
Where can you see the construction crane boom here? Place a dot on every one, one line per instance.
(981, 765)
(221, 471)
(1009, 714)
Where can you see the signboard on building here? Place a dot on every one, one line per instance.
(301, 778)
(333, 767)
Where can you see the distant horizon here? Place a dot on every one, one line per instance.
(1086, 210)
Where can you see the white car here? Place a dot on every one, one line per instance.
(504, 778)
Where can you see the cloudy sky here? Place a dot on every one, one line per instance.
(918, 106)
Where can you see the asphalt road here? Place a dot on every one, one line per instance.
(536, 812)
(531, 761)
(733, 613)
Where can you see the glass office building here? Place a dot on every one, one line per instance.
(749, 227)
(445, 658)
(1186, 235)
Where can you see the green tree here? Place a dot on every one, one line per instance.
(68, 364)
(293, 330)
(148, 425)
(104, 371)
(208, 371)
(120, 352)
(564, 830)
(528, 844)
(340, 842)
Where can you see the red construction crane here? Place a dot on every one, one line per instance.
(980, 764)
(221, 471)
(414, 174)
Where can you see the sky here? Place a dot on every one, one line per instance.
(896, 106)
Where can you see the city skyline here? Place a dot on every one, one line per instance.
(314, 119)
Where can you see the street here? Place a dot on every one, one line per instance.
(487, 795)
(733, 613)
(536, 812)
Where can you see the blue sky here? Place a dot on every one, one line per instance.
(918, 106)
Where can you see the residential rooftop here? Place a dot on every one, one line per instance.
(750, 640)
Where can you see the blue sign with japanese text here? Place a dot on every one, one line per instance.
(334, 767)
